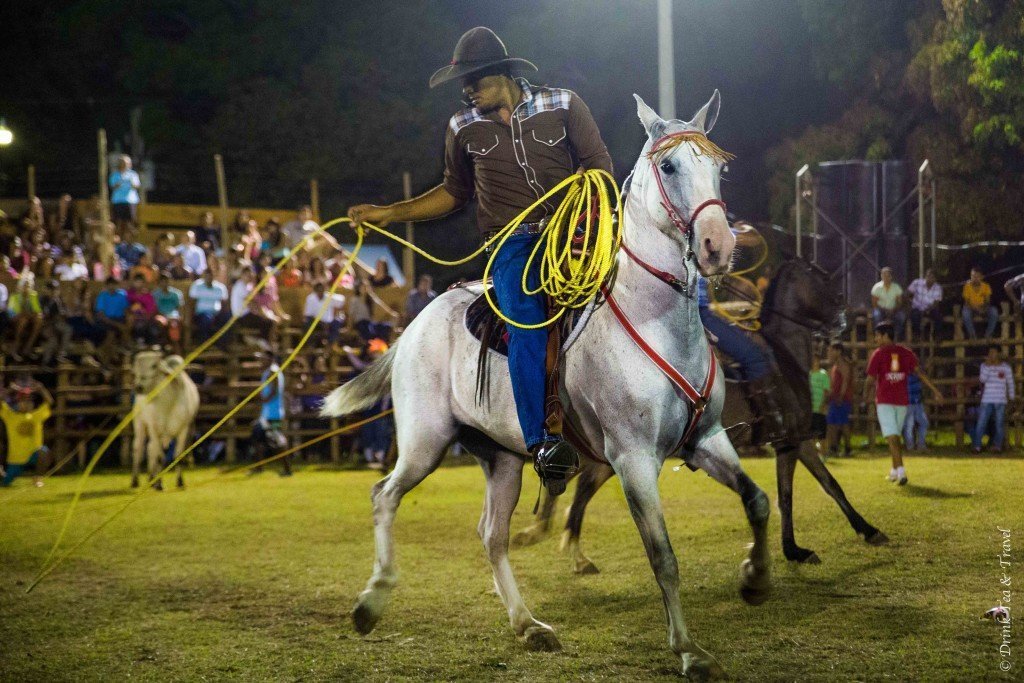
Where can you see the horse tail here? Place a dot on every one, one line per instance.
(363, 391)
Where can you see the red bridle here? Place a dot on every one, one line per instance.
(685, 227)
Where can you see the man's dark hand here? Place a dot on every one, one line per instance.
(380, 216)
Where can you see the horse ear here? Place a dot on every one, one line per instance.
(652, 122)
(707, 115)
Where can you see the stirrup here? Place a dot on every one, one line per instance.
(555, 462)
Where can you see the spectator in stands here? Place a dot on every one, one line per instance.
(169, 301)
(382, 274)
(163, 251)
(419, 298)
(177, 270)
(27, 316)
(819, 381)
(208, 233)
(318, 272)
(21, 258)
(111, 316)
(124, 195)
(208, 297)
(71, 266)
(840, 399)
(67, 218)
(249, 244)
(997, 381)
(292, 274)
(142, 312)
(888, 368)
(192, 254)
(978, 302)
(274, 242)
(56, 334)
(1014, 289)
(297, 230)
(128, 251)
(218, 266)
(241, 222)
(248, 312)
(268, 300)
(362, 318)
(887, 302)
(144, 269)
(24, 425)
(926, 294)
(374, 437)
(79, 315)
(330, 319)
(267, 438)
(917, 419)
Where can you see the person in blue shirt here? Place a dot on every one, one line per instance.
(124, 194)
(916, 419)
(111, 314)
(266, 431)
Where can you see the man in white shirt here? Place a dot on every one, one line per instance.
(334, 315)
(192, 254)
(245, 311)
(887, 303)
(926, 296)
(208, 298)
(998, 389)
(4, 315)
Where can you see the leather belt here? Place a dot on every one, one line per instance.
(521, 229)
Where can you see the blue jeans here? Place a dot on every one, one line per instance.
(527, 349)
(986, 412)
(898, 317)
(991, 317)
(916, 418)
(737, 344)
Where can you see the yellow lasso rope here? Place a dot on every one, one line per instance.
(570, 282)
(748, 319)
(49, 564)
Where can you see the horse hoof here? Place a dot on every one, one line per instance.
(755, 586)
(584, 567)
(181, 483)
(526, 537)
(877, 538)
(541, 639)
(702, 668)
(364, 617)
(135, 483)
(802, 555)
(158, 486)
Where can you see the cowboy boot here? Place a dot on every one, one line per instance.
(555, 461)
(764, 400)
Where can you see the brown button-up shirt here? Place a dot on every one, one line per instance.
(509, 167)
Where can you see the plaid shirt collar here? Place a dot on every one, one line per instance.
(535, 100)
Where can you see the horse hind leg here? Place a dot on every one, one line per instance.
(541, 522)
(154, 454)
(504, 472)
(591, 478)
(785, 464)
(820, 472)
(179, 446)
(420, 450)
(717, 456)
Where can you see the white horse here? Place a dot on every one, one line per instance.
(615, 396)
(167, 417)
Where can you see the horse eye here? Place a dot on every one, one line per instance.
(667, 168)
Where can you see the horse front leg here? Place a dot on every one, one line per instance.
(138, 448)
(591, 478)
(820, 472)
(639, 475)
(504, 474)
(785, 464)
(155, 454)
(179, 446)
(717, 456)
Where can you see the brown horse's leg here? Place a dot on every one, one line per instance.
(591, 478)
(785, 464)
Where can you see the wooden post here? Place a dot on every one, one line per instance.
(314, 199)
(101, 143)
(222, 197)
(31, 181)
(408, 259)
(961, 394)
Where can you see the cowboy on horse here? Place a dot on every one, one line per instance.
(512, 144)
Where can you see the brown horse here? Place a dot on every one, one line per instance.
(800, 303)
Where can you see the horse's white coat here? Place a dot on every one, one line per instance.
(620, 400)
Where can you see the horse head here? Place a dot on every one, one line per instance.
(676, 183)
(804, 291)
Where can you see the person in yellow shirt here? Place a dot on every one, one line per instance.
(978, 302)
(24, 425)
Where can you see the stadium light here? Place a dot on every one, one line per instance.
(6, 135)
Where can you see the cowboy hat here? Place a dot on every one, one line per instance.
(478, 48)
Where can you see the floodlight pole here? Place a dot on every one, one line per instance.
(924, 170)
(666, 62)
(798, 198)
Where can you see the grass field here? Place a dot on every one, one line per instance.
(253, 579)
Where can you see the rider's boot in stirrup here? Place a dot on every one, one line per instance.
(555, 461)
(763, 396)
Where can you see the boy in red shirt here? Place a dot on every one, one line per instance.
(888, 369)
